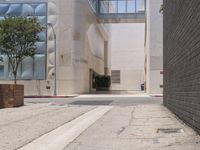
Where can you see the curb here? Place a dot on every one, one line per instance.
(49, 96)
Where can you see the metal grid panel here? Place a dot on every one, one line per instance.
(115, 76)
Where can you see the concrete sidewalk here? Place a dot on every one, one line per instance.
(20, 126)
(51, 126)
(144, 127)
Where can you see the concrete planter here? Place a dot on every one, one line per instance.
(11, 95)
(102, 89)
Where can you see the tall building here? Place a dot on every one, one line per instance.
(127, 56)
(80, 46)
(154, 47)
(137, 51)
(66, 63)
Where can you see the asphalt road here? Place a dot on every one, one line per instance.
(94, 122)
(113, 100)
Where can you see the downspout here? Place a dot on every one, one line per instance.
(145, 46)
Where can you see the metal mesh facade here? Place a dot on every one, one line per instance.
(31, 68)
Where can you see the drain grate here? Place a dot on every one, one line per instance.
(91, 103)
(170, 130)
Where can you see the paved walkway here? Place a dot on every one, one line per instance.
(137, 128)
(51, 126)
(116, 99)
(20, 126)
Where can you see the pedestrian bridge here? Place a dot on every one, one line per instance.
(119, 11)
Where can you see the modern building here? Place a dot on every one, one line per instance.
(137, 52)
(127, 56)
(181, 60)
(154, 47)
(77, 44)
(80, 46)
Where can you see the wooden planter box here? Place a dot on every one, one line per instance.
(11, 95)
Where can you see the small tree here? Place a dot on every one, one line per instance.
(18, 36)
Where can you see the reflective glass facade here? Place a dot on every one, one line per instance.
(31, 68)
(118, 6)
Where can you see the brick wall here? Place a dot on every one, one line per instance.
(182, 59)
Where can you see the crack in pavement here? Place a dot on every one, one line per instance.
(132, 116)
(121, 130)
(129, 123)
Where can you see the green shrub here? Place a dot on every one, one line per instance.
(103, 81)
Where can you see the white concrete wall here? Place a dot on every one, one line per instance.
(127, 55)
(80, 42)
(80, 47)
(154, 47)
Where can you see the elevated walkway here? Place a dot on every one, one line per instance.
(119, 11)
